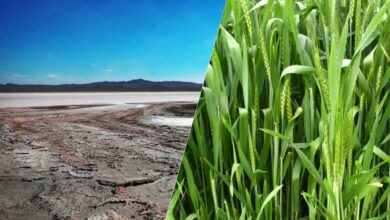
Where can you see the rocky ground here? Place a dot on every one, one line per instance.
(89, 162)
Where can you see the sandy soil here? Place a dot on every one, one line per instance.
(101, 162)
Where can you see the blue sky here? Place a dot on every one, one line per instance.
(79, 41)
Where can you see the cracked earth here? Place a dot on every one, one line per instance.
(90, 162)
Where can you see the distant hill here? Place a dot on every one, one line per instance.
(106, 86)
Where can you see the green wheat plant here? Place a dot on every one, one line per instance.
(294, 116)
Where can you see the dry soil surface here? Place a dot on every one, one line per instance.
(89, 162)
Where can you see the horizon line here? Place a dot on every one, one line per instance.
(135, 79)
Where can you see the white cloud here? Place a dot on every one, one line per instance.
(108, 70)
(17, 75)
(53, 76)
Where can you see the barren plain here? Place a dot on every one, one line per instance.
(91, 161)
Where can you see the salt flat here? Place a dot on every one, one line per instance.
(12, 100)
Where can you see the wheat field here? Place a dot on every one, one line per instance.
(294, 117)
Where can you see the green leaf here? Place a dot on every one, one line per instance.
(268, 199)
(297, 69)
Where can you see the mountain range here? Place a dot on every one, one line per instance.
(106, 86)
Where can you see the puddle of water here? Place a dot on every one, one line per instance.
(170, 121)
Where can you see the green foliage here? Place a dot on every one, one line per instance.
(294, 118)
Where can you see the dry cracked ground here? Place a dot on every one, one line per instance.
(90, 162)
